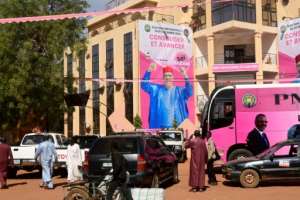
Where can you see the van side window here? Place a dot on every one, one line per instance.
(222, 110)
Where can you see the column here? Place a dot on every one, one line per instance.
(258, 57)
(258, 5)
(208, 10)
(211, 62)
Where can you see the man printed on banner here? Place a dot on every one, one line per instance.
(168, 103)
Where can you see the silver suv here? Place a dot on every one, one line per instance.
(174, 139)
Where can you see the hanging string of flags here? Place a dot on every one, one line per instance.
(96, 14)
(122, 80)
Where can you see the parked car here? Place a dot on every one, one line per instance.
(174, 139)
(24, 153)
(280, 162)
(134, 148)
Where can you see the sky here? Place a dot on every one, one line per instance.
(96, 5)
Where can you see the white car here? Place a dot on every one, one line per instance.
(174, 139)
(24, 153)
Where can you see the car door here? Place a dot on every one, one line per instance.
(280, 164)
(295, 162)
(167, 168)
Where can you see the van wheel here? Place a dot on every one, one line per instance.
(155, 181)
(77, 194)
(239, 154)
(175, 174)
(249, 178)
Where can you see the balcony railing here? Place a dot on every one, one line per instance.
(221, 59)
(201, 62)
(270, 59)
(114, 3)
(239, 10)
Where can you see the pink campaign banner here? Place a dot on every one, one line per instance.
(165, 49)
(289, 50)
(240, 67)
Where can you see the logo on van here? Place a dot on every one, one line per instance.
(249, 100)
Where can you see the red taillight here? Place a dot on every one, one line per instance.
(85, 164)
(141, 163)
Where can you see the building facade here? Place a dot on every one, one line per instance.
(234, 41)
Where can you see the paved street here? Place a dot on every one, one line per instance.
(26, 187)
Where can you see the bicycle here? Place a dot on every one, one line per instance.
(95, 188)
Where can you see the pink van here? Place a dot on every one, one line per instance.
(230, 112)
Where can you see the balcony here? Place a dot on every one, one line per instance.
(231, 58)
(239, 10)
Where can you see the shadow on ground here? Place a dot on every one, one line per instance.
(267, 183)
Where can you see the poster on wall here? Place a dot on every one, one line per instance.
(289, 50)
(166, 70)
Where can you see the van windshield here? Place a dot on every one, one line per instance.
(170, 136)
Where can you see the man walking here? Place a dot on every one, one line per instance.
(47, 155)
(257, 140)
(198, 161)
(6, 158)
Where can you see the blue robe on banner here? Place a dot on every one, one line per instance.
(167, 104)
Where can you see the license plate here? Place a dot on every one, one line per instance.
(17, 162)
(107, 164)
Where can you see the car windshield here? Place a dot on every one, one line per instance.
(268, 151)
(170, 136)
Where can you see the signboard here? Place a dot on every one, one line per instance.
(289, 50)
(239, 67)
(166, 68)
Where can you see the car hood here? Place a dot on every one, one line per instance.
(240, 161)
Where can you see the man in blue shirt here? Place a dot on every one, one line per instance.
(168, 103)
(47, 155)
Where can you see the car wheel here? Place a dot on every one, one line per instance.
(155, 181)
(239, 154)
(175, 174)
(249, 178)
(77, 194)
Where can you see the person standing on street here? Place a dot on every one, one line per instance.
(74, 161)
(257, 139)
(47, 155)
(213, 155)
(120, 173)
(6, 158)
(198, 161)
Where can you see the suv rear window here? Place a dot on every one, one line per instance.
(126, 145)
(85, 141)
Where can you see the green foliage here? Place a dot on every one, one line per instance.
(137, 122)
(31, 67)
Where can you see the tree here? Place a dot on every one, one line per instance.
(137, 122)
(31, 69)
